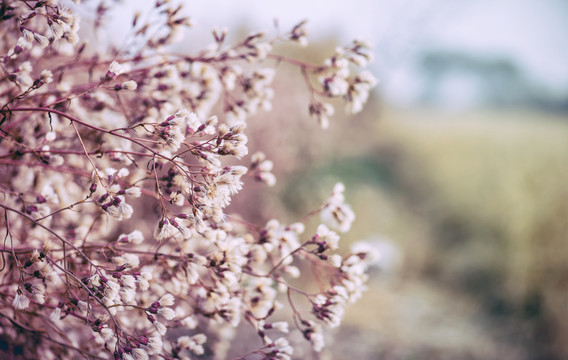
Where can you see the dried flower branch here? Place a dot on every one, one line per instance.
(95, 143)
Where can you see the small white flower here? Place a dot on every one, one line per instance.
(49, 275)
(184, 342)
(45, 77)
(166, 300)
(166, 313)
(107, 333)
(56, 160)
(155, 345)
(111, 289)
(199, 339)
(39, 298)
(110, 171)
(83, 306)
(20, 302)
(50, 136)
(128, 281)
(327, 236)
(55, 314)
(131, 260)
(336, 260)
(123, 172)
(140, 354)
(129, 85)
(95, 280)
(267, 178)
(160, 328)
(116, 69)
(336, 213)
(118, 260)
(317, 341)
(43, 41)
(293, 271)
(189, 322)
(120, 211)
(165, 231)
(134, 191)
(281, 326)
(136, 237)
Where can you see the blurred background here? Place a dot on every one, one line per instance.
(456, 169)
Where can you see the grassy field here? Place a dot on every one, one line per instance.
(477, 204)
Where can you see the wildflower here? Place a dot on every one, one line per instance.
(299, 34)
(139, 354)
(20, 302)
(267, 178)
(262, 168)
(55, 314)
(42, 40)
(37, 290)
(50, 136)
(114, 70)
(126, 261)
(329, 308)
(45, 77)
(134, 192)
(129, 85)
(157, 133)
(143, 280)
(111, 290)
(83, 306)
(336, 213)
(154, 345)
(118, 208)
(107, 333)
(193, 343)
(131, 260)
(164, 231)
(47, 273)
(166, 300)
(160, 328)
(284, 350)
(281, 326)
(177, 198)
(335, 85)
(135, 237)
(335, 260)
(322, 111)
(173, 137)
(166, 313)
(314, 335)
(128, 281)
(326, 238)
(56, 160)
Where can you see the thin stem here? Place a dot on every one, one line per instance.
(86, 152)
(48, 230)
(287, 256)
(49, 338)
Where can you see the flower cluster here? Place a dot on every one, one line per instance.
(337, 79)
(116, 178)
(262, 167)
(336, 213)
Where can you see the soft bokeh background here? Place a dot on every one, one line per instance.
(456, 169)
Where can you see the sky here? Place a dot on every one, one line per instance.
(533, 33)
